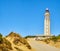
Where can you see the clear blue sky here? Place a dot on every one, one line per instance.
(26, 17)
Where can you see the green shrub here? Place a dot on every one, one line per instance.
(30, 36)
(1, 40)
(54, 38)
(58, 37)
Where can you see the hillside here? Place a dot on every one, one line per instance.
(14, 42)
(53, 41)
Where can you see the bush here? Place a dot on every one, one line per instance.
(1, 40)
(47, 41)
(5, 49)
(7, 44)
(58, 37)
(16, 41)
(28, 46)
(18, 49)
(54, 38)
(30, 37)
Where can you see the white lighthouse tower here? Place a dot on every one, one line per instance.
(47, 23)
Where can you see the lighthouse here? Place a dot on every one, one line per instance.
(47, 22)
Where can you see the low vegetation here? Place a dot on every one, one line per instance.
(6, 44)
(54, 41)
(30, 36)
(55, 38)
(1, 40)
(18, 49)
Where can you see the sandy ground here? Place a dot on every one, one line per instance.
(41, 46)
(51, 43)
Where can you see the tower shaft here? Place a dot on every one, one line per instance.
(47, 23)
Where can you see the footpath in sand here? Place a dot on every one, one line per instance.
(41, 47)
